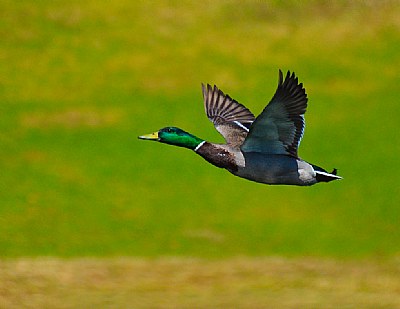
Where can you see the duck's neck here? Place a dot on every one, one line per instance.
(187, 141)
(194, 143)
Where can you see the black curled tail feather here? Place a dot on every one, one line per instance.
(322, 175)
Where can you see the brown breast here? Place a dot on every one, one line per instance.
(218, 156)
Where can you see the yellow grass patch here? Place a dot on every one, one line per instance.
(195, 283)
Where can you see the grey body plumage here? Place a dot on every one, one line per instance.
(262, 149)
(276, 169)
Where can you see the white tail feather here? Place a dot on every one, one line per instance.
(328, 174)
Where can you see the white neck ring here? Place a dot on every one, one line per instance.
(199, 145)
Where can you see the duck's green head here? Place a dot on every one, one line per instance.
(174, 136)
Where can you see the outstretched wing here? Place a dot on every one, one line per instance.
(280, 126)
(230, 118)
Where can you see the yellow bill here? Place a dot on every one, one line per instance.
(152, 136)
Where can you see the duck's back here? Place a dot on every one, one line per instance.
(276, 169)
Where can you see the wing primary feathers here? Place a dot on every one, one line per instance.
(218, 104)
(230, 118)
(280, 127)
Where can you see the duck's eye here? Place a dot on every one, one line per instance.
(169, 130)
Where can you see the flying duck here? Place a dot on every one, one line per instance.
(262, 149)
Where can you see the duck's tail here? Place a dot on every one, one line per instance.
(323, 176)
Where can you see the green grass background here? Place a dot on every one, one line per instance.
(79, 81)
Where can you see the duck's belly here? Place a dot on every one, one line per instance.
(276, 169)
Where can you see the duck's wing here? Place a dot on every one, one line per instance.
(229, 117)
(280, 126)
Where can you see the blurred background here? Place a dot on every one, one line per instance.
(79, 81)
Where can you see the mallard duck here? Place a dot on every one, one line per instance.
(262, 149)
